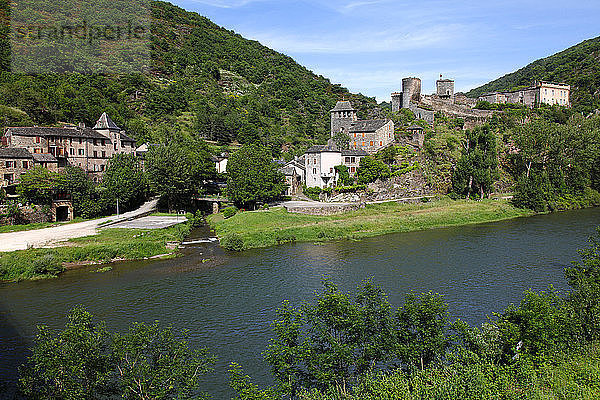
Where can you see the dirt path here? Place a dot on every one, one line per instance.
(49, 236)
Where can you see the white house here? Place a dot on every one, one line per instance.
(320, 163)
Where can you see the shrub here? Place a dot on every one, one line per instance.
(230, 212)
(233, 242)
(47, 264)
(284, 237)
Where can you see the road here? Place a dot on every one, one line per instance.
(50, 236)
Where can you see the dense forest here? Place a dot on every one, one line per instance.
(203, 81)
(578, 66)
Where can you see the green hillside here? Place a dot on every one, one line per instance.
(578, 66)
(204, 81)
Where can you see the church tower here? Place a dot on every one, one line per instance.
(343, 115)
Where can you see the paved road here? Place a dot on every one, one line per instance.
(151, 222)
(50, 236)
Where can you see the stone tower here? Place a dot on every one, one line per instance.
(396, 101)
(445, 88)
(411, 91)
(342, 117)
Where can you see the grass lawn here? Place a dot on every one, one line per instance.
(267, 228)
(109, 244)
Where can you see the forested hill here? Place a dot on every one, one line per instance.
(205, 81)
(578, 66)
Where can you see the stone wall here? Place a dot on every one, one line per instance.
(27, 215)
(329, 209)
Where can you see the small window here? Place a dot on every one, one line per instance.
(104, 154)
(25, 164)
(95, 142)
(102, 168)
(353, 169)
(353, 160)
(314, 170)
(347, 160)
(80, 152)
(38, 139)
(10, 164)
(95, 154)
(331, 170)
(10, 178)
(381, 143)
(80, 141)
(370, 143)
(72, 151)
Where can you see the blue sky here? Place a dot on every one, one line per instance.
(368, 46)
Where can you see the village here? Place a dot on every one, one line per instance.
(351, 140)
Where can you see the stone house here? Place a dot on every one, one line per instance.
(369, 135)
(539, 93)
(13, 163)
(79, 146)
(320, 163)
(294, 172)
(221, 162)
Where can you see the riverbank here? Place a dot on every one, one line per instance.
(248, 230)
(108, 245)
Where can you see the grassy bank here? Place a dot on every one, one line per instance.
(108, 245)
(266, 228)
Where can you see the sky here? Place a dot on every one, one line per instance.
(368, 46)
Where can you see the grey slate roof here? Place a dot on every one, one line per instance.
(61, 132)
(126, 138)
(106, 123)
(369, 125)
(354, 152)
(288, 171)
(14, 152)
(343, 106)
(330, 147)
(44, 157)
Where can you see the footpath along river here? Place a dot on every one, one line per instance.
(227, 300)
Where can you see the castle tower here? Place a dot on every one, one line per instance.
(411, 91)
(396, 101)
(445, 88)
(342, 117)
(107, 127)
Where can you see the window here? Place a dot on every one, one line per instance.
(102, 142)
(37, 151)
(355, 135)
(381, 143)
(10, 164)
(38, 139)
(95, 154)
(25, 164)
(70, 140)
(80, 152)
(314, 170)
(370, 143)
(364, 144)
(103, 154)
(122, 144)
(352, 169)
(10, 178)
(72, 151)
(352, 160)
(102, 168)
(347, 160)
(80, 141)
(95, 142)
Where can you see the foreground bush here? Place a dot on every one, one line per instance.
(85, 361)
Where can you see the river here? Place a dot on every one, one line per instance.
(227, 300)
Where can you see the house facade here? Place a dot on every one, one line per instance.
(79, 146)
(320, 163)
(368, 135)
(539, 93)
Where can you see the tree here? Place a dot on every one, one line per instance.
(177, 171)
(36, 185)
(253, 177)
(475, 171)
(422, 324)
(584, 277)
(125, 181)
(344, 178)
(370, 169)
(85, 361)
(341, 140)
(388, 155)
(82, 189)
